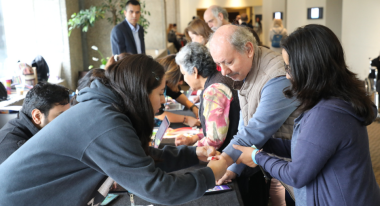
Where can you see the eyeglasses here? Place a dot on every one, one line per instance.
(287, 68)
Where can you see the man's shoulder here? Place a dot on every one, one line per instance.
(13, 132)
(120, 26)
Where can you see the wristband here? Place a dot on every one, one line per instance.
(253, 155)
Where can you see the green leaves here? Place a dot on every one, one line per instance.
(85, 18)
(143, 21)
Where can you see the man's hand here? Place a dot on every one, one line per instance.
(227, 177)
(218, 166)
(246, 156)
(206, 151)
(185, 140)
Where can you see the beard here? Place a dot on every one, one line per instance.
(219, 24)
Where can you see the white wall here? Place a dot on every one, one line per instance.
(156, 36)
(270, 6)
(188, 8)
(297, 13)
(360, 34)
(334, 16)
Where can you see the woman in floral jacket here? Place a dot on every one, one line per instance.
(219, 108)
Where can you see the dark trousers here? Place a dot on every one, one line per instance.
(254, 189)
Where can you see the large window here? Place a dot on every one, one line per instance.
(29, 28)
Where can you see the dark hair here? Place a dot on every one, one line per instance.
(86, 80)
(133, 2)
(133, 78)
(318, 71)
(44, 96)
(172, 71)
(244, 17)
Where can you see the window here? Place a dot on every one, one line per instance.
(29, 28)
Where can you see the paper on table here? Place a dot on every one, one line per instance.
(184, 130)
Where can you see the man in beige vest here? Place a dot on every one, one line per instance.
(259, 77)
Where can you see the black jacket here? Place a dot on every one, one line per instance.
(122, 39)
(14, 134)
(247, 25)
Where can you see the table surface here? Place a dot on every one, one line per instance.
(227, 198)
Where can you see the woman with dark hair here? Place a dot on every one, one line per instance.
(331, 163)
(219, 107)
(107, 134)
(173, 78)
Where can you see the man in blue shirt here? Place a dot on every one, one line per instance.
(128, 36)
(259, 77)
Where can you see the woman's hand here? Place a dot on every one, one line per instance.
(206, 151)
(192, 122)
(246, 156)
(218, 166)
(195, 111)
(196, 99)
(185, 140)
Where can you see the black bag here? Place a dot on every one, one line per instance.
(42, 68)
(3, 92)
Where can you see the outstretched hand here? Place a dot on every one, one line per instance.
(218, 166)
(206, 151)
(227, 177)
(246, 156)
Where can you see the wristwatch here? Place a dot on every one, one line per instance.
(191, 108)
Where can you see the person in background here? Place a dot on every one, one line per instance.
(244, 19)
(198, 31)
(330, 158)
(172, 36)
(258, 26)
(173, 77)
(215, 17)
(219, 107)
(276, 34)
(237, 20)
(257, 38)
(128, 36)
(108, 134)
(42, 104)
(259, 76)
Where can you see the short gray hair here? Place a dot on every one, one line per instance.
(196, 55)
(217, 9)
(239, 38)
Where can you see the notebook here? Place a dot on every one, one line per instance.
(161, 132)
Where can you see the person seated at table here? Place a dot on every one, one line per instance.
(43, 103)
(108, 134)
(219, 107)
(173, 78)
(330, 158)
(198, 31)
